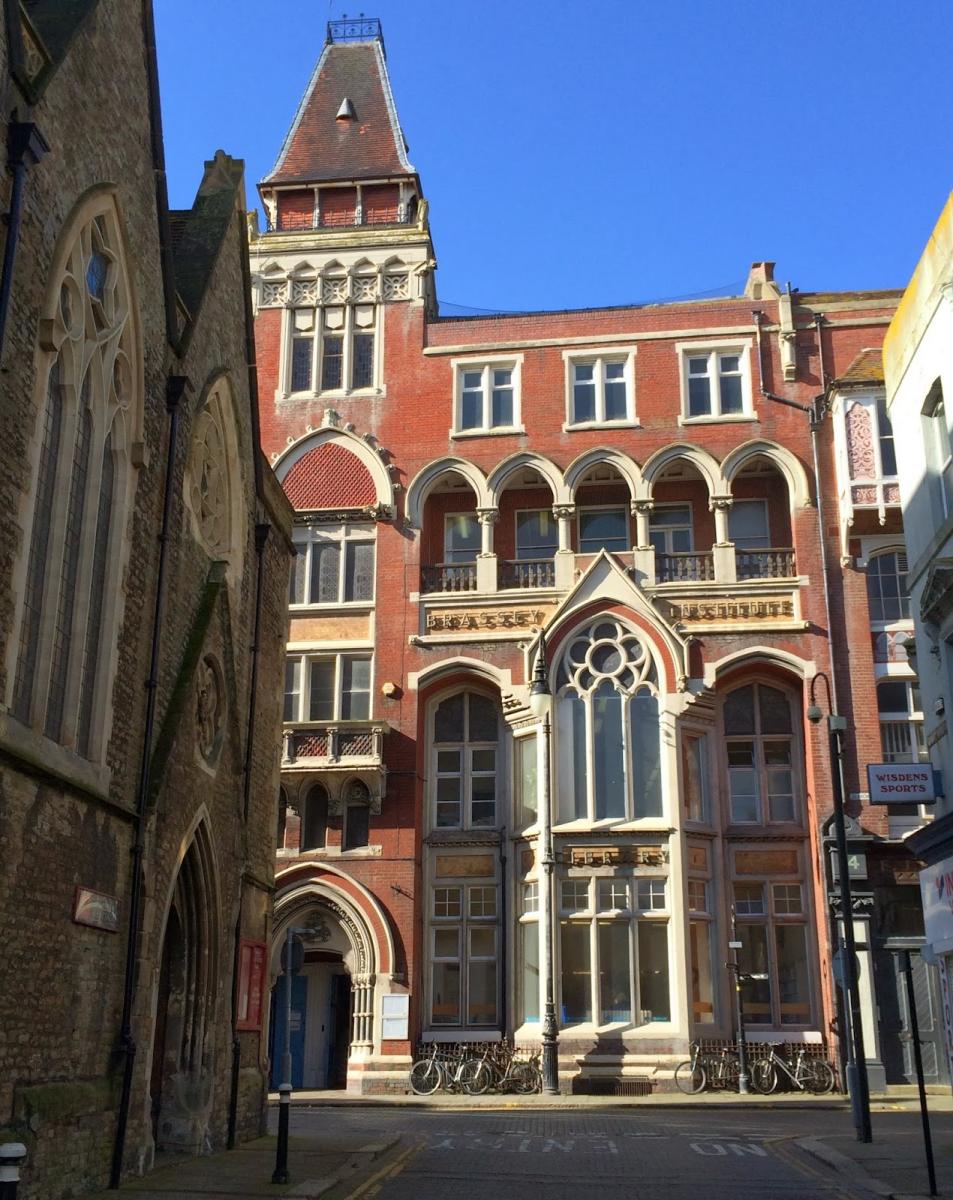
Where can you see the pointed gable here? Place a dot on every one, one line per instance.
(333, 140)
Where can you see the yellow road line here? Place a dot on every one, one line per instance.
(778, 1147)
(385, 1172)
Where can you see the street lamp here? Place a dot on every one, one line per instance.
(856, 1058)
(735, 968)
(540, 702)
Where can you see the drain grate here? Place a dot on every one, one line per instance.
(640, 1086)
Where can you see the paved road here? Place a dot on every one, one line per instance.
(661, 1155)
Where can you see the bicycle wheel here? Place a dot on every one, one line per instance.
(475, 1077)
(764, 1076)
(525, 1079)
(690, 1078)
(425, 1077)
(818, 1077)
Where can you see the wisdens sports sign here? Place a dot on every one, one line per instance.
(901, 783)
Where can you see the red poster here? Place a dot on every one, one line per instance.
(251, 983)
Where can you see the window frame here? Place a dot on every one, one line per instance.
(760, 765)
(599, 357)
(306, 658)
(591, 508)
(665, 530)
(466, 773)
(447, 552)
(751, 501)
(742, 347)
(486, 365)
(898, 553)
(522, 512)
(342, 535)
(348, 331)
(464, 921)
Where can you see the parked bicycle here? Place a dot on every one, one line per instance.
(714, 1069)
(805, 1072)
(475, 1068)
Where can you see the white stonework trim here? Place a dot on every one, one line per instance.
(627, 468)
(499, 677)
(549, 471)
(425, 479)
(351, 441)
(752, 656)
(706, 465)
(799, 490)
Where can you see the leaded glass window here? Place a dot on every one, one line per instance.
(465, 748)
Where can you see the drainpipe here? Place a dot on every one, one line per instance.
(174, 391)
(261, 540)
(25, 147)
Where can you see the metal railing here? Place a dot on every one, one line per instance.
(771, 563)
(449, 577)
(692, 567)
(528, 573)
(334, 741)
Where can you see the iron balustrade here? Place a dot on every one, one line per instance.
(528, 573)
(771, 563)
(449, 577)
(685, 568)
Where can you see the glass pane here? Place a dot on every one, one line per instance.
(529, 971)
(892, 697)
(321, 706)
(616, 408)
(483, 801)
(653, 971)
(739, 711)
(359, 571)
(775, 710)
(583, 400)
(446, 943)
(573, 757)
(462, 538)
(315, 825)
(448, 721)
(301, 354)
(574, 895)
(481, 902)
(576, 976)
(446, 902)
(603, 528)
(615, 1000)
(483, 942)
(471, 410)
(483, 719)
(781, 795)
(355, 688)
(749, 899)
(748, 524)
(777, 753)
(526, 780)
(732, 400)
(448, 803)
(483, 761)
(292, 688)
(332, 365)
(356, 826)
(612, 895)
(536, 534)
(325, 563)
(728, 364)
(608, 752)
(363, 367)
(743, 785)
(699, 397)
(473, 380)
(448, 762)
(698, 365)
(502, 404)
(694, 777)
(481, 993)
(703, 995)
(446, 993)
(793, 988)
(753, 960)
(646, 754)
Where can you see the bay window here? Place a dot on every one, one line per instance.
(327, 687)
(760, 747)
(607, 728)
(465, 750)
(614, 950)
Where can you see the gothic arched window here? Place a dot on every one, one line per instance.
(314, 822)
(357, 816)
(82, 487)
(607, 726)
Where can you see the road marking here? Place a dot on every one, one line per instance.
(370, 1187)
(720, 1148)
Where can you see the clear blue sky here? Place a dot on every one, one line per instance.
(616, 151)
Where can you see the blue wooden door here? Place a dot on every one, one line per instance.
(299, 1007)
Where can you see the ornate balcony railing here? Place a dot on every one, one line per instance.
(684, 568)
(528, 573)
(449, 577)
(360, 741)
(771, 563)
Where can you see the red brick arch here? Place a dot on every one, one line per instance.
(329, 476)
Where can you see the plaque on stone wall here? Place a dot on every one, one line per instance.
(464, 866)
(766, 862)
(615, 856)
(488, 620)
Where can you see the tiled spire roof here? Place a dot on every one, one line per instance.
(323, 146)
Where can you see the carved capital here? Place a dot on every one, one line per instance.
(642, 508)
(488, 516)
(719, 503)
(564, 512)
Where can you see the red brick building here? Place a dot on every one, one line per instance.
(626, 497)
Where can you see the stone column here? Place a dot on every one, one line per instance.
(643, 554)
(723, 551)
(486, 560)
(565, 559)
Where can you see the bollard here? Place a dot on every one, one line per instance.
(280, 1173)
(12, 1154)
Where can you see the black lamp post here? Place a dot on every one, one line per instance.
(734, 967)
(857, 1084)
(541, 700)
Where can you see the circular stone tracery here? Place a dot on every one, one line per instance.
(606, 651)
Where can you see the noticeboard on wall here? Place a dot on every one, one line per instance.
(252, 957)
(395, 1017)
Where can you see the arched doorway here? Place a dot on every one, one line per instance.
(329, 996)
(183, 1041)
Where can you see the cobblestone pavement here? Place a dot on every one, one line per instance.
(519, 1155)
